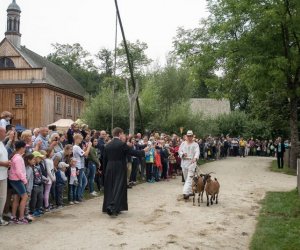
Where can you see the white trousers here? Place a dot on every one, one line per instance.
(188, 173)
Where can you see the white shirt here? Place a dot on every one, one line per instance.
(78, 155)
(50, 170)
(192, 150)
(4, 123)
(3, 157)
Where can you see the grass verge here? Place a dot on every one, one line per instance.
(284, 170)
(278, 225)
(202, 161)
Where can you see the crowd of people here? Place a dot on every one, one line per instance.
(214, 148)
(39, 167)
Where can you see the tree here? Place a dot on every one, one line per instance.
(105, 56)
(266, 59)
(196, 50)
(78, 62)
(70, 56)
(98, 112)
(138, 57)
(255, 45)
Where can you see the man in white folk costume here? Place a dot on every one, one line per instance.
(189, 153)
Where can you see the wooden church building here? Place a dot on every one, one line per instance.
(36, 91)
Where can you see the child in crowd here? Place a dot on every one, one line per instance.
(149, 163)
(51, 177)
(36, 202)
(29, 163)
(17, 180)
(157, 164)
(72, 173)
(165, 153)
(60, 183)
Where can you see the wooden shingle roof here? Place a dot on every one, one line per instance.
(55, 75)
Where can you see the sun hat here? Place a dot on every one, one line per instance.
(38, 154)
(62, 165)
(189, 132)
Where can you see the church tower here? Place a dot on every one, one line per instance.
(13, 24)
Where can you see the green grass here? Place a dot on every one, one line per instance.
(278, 225)
(284, 170)
(202, 161)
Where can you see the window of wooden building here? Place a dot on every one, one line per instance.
(6, 62)
(19, 100)
(58, 104)
(69, 107)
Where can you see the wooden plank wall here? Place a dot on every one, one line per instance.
(48, 102)
(21, 74)
(39, 106)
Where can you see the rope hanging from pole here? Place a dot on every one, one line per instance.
(129, 64)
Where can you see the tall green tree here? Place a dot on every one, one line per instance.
(106, 58)
(79, 63)
(138, 58)
(264, 36)
(255, 46)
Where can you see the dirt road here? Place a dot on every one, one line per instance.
(157, 219)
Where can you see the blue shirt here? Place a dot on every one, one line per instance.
(45, 142)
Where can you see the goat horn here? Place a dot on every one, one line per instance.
(211, 173)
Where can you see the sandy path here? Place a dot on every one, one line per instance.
(157, 220)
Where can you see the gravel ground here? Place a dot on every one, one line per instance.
(158, 218)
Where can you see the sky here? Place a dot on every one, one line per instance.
(92, 23)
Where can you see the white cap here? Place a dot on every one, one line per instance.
(189, 132)
(62, 165)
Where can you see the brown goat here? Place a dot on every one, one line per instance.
(212, 188)
(198, 187)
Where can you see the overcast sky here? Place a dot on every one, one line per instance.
(92, 22)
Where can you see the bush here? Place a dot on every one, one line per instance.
(98, 112)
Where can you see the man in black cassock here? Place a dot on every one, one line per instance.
(115, 181)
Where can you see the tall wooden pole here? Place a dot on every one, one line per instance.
(114, 82)
(129, 63)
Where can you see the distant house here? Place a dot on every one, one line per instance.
(210, 107)
(36, 91)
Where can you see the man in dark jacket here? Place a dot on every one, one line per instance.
(115, 181)
(280, 149)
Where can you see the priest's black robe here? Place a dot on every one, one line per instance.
(115, 181)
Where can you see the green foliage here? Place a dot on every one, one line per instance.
(78, 62)
(98, 112)
(238, 123)
(278, 222)
(249, 52)
(106, 58)
(137, 56)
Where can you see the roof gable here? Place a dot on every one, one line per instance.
(55, 75)
(7, 49)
